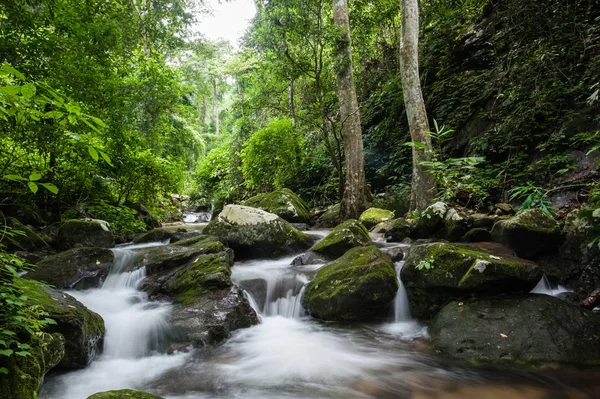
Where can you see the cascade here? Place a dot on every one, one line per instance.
(544, 287)
(401, 308)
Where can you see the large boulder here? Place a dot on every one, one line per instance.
(83, 329)
(347, 235)
(358, 286)
(437, 273)
(78, 268)
(430, 221)
(398, 230)
(208, 307)
(529, 233)
(523, 331)
(25, 374)
(28, 239)
(373, 216)
(283, 203)
(86, 233)
(456, 225)
(123, 394)
(330, 218)
(252, 232)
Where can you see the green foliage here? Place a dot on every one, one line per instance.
(122, 219)
(426, 264)
(533, 197)
(272, 156)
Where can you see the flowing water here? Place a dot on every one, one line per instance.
(546, 288)
(288, 355)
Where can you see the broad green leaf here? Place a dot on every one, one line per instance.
(50, 187)
(33, 187)
(14, 177)
(97, 121)
(10, 90)
(12, 71)
(35, 176)
(106, 158)
(3, 370)
(28, 91)
(93, 153)
(6, 352)
(91, 125)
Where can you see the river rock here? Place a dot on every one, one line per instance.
(330, 218)
(529, 233)
(373, 216)
(123, 394)
(398, 230)
(358, 286)
(83, 329)
(438, 272)
(156, 235)
(430, 221)
(283, 203)
(478, 234)
(523, 331)
(79, 268)
(87, 233)
(345, 236)
(252, 232)
(29, 240)
(25, 374)
(456, 224)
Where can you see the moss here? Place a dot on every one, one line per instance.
(284, 203)
(331, 217)
(347, 235)
(204, 274)
(123, 394)
(373, 216)
(357, 286)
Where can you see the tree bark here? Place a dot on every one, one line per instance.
(216, 106)
(354, 200)
(291, 102)
(423, 183)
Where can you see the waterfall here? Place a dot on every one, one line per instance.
(401, 308)
(544, 287)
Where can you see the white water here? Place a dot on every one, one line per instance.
(546, 288)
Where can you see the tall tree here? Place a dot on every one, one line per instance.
(423, 183)
(354, 199)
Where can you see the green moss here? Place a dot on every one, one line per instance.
(284, 203)
(123, 394)
(357, 286)
(347, 235)
(373, 216)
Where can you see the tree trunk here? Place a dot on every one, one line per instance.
(216, 107)
(354, 200)
(291, 102)
(423, 183)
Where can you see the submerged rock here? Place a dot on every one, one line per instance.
(524, 331)
(436, 273)
(347, 235)
(26, 373)
(252, 232)
(283, 203)
(528, 233)
(373, 216)
(87, 233)
(79, 268)
(83, 329)
(358, 286)
(124, 394)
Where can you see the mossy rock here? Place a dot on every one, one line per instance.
(347, 235)
(456, 225)
(330, 218)
(478, 234)
(531, 330)
(156, 235)
(30, 241)
(398, 230)
(436, 273)
(79, 268)
(283, 203)
(430, 221)
(85, 233)
(25, 374)
(358, 286)
(373, 216)
(393, 203)
(252, 232)
(124, 394)
(529, 233)
(83, 329)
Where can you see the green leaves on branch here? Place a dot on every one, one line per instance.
(533, 197)
(32, 182)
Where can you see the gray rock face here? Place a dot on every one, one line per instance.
(347, 235)
(436, 273)
(524, 331)
(456, 224)
(358, 286)
(528, 233)
(252, 232)
(79, 268)
(398, 230)
(85, 233)
(330, 218)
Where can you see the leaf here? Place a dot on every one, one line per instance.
(23, 353)
(6, 352)
(3, 370)
(98, 121)
(106, 158)
(503, 335)
(9, 69)
(28, 91)
(93, 153)
(35, 176)
(14, 178)
(94, 128)
(50, 187)
(33, 187)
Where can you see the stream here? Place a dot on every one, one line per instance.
(287, 355)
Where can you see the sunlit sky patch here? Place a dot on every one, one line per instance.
(229, 20)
